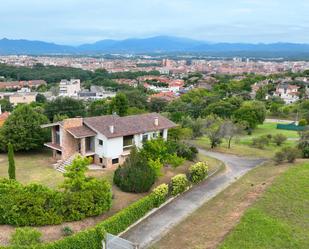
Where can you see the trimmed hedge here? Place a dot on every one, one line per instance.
(35, 204)
(160, 194)
(92, 238)
(88, 239)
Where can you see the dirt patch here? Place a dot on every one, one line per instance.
(209, 225)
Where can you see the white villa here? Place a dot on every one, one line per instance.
(107, 139)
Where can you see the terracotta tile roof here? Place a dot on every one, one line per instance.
(53, 146)
(81, 131)
(4, 116)
(129, 125)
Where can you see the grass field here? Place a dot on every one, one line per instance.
(243, 145)
(208, 226)
(280, 219)
(33, 167)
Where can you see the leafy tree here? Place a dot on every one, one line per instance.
(230, 130)
(135, 175)
(303, 143)
(261, 94)
(252, 113)
(22, 129)
(302, 122)
(196, 125)
(65, 106)
(224, 108)
(157, 104)
(99, 108)
(213, 130)
(59, 117)
(136, 98)
(179, 133)
(119, 104)
(75, 176)
(6, 106)
(11, 170)
(40, 98)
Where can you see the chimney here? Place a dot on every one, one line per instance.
(156, 121)
(111, 129)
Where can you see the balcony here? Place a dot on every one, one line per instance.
(128, 143)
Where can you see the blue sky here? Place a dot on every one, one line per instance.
(82, 21)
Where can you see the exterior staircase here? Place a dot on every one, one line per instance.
(60, 165)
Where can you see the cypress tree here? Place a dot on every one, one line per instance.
(11, 170)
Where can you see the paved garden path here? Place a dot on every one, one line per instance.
(159, 223)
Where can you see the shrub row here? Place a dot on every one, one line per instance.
(35, 204)
(91, 238)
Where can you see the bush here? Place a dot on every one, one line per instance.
(303, 144)
(160, 194)
(25, 236)
(198, 172)
(35, 204)
(290, 154)
(182, 150)
(279, 157)
(156, 165)
(302, 122)
(179, 184)
(260, 142)
(175, 161)
(279, 139)
(67, 231)
(135, 175)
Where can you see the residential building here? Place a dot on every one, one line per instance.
(69, 88)
(107, 139)
(95, 93)
(3, 116)
(16, 98)
(288, 93)
(21, 84)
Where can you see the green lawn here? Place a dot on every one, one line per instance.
(280, 219)
(33, 167)
(243, 145)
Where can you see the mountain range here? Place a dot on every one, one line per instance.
(158, 44)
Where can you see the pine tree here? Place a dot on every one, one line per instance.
(11, 159)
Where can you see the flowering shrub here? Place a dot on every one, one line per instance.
(179, 184)
(198, 172)
(160, 194)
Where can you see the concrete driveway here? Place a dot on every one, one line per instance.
(159, 223)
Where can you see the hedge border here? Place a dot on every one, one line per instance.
(116, 224)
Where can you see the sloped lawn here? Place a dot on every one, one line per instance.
(280, 219)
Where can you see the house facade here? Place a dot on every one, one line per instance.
(288, 93)
(107, 139)
(69, 88)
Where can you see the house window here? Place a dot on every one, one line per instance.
(145, 138)
(155, 135)
(101, 160)
(161, 133)
(128, 140)
(115, 161)
(100, 142)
